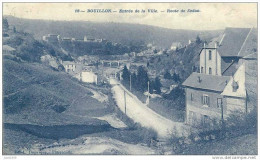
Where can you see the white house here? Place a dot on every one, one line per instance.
(88, 77)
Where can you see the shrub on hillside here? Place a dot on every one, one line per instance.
(148, 135)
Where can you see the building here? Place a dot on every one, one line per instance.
(89, 39)
(69, 66)
(223, 85)
(175, 46)
(51, 38)
(88, 77)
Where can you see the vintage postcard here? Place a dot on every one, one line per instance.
(130, 79)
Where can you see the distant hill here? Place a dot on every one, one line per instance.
(124, 33)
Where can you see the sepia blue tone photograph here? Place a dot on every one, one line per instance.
(130, 79)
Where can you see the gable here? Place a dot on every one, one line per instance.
(239, 78)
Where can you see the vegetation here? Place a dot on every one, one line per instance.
(181, 63)
(178, 96)
(236, 126)
(198, 40)
(140, 80)
(167, 75)
(29, 49)
(174, 77)
(5, 24)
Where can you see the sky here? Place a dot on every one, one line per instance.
(211, 16)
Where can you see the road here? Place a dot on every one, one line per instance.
(142, 114)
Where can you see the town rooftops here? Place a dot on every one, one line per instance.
(8, 48)
(207, 82)
(234, 41)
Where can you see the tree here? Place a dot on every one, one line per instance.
(126, 75)
(176, 77)
(167, 75)
(198, 40)
(134, 80)
(14, 29)
(5, 24)
(157, 85)
(142, 78)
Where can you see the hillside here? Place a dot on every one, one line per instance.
(123, 33)
(181, 61)
(35, 94)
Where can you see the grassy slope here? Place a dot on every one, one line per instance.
(34, 94)
(243, 145)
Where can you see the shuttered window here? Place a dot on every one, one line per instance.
(205, 100)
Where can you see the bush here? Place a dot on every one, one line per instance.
(241, 122)
(177, 143)
(149, 135)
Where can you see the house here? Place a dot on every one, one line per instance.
(227, 80)
(69, 66)
(88, 77)
(175, 46)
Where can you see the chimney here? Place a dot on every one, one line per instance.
(204, 45)
(199, 79)
(234, 86)
(216, 44)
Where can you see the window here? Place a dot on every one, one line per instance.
(210, 54)
(205, 100)
(206, 121)
(219, 102)
(191, 97)
(210, 70)
(201, 71)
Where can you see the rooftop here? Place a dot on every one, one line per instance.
(228, 65)
(68, 62)
(207, 82)
(234, 41)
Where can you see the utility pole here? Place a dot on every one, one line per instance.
(130, 82)
(148, 93)
(125, 101)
